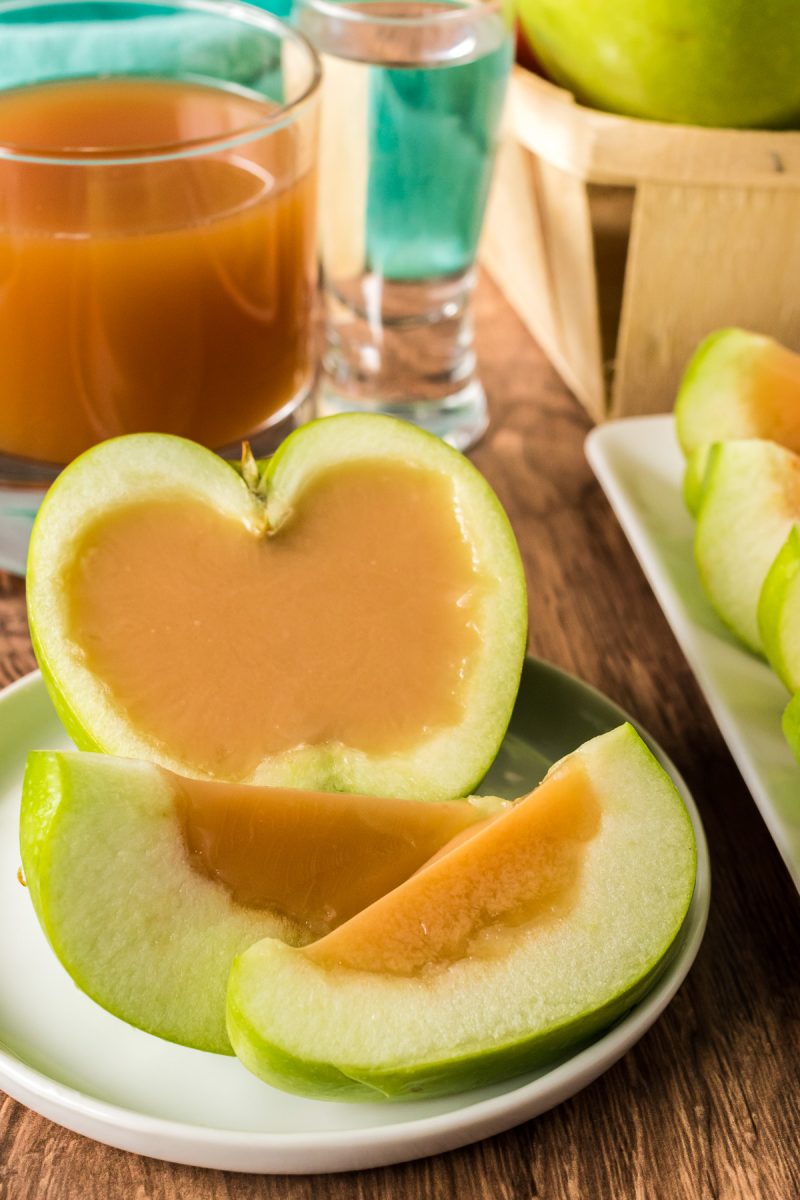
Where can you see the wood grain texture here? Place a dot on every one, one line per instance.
(730, 258)
(610, 148)
(707, 1105)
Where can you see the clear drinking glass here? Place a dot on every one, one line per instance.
(412, 99)
(158, 248)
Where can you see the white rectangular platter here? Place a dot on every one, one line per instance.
(640, 468)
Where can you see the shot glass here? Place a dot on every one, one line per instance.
(158, 247)
(412, 100)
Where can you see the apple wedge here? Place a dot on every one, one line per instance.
(737, 385)
(500, 954)
(779, 612)
(791, 725)
(751, 500)
(349, 616)
(148, 885)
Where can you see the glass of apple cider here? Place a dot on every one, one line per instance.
(157, 225)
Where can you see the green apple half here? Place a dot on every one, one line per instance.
(146, 920)
(699, 62)
(751, 500)
(260, 504)
(500, 954)
(737, 385)
(779, 612)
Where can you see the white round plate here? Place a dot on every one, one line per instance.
(71, 1061)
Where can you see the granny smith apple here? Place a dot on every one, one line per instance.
(750, 501)
(349, 616)
(791, 725)
(148, 885)
(698, 62)
(779, 612)
(503, 952)
(694, 478)
(737, 385)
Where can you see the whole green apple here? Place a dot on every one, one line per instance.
(698, 62)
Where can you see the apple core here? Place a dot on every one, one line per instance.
(353, 623)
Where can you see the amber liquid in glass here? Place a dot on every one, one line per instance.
(164, 295)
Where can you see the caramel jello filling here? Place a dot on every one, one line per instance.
(773, 397)
(352, 623)
(310, 856)
(521, 868)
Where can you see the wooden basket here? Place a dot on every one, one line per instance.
(621, 243)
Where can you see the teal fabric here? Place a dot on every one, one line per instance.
(182, 44)
(77, 12)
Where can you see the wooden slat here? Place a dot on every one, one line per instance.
(715, 241)
(537, 244)
(566, 218)
(701, 258)
(605, 148)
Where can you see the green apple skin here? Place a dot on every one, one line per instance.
(696, 62)
(791, 725)
(739, 384)
(713, 400)
(749, 504)
(779, 613)
(125, 469)
(694, 479)
(139, 931)
(354, 1035)
(353, 1083)
(736, 385)
(142, 932)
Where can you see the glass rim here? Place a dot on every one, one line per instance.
(231, 11)
(452, 14)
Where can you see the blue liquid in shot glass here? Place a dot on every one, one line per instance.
(432, 135)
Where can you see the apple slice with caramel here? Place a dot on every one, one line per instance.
(504, 951)
(147, 884)
(736, 385)
(349, 616)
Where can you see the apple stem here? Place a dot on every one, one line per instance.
(249, 469)
(252, 472)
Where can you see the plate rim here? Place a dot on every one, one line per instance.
(328, 1151)
(597, 454)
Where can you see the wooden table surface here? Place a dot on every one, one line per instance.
(707, 1105)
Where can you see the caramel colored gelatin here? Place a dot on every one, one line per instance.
(773, 397)
(522, 868)
(313, 857)
(351, 624)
